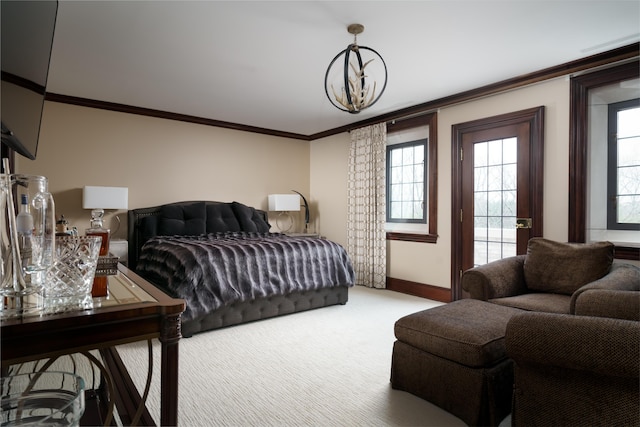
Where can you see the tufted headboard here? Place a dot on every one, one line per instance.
(190, 219)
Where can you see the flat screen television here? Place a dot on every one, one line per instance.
(27, 38)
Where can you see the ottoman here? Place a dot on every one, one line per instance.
(454, 356)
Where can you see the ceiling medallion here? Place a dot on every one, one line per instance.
(347, 84)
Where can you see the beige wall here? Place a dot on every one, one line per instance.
(160, 161)
(431, 263)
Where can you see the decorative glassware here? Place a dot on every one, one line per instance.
(27, 229)
(69, 280)
(42, 399)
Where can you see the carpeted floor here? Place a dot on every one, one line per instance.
(325, 367)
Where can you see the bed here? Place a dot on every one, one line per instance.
(224, 261)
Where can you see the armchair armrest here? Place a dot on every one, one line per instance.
(574, 370)
(600, 345)
(497, 279)
(621, 277)
(609, 303)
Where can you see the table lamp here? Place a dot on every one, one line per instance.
(98, 199)
(284, 203)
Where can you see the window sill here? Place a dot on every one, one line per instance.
(412, 237)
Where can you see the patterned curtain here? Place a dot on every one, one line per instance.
(366, 238)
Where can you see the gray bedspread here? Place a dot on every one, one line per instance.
(213, 270)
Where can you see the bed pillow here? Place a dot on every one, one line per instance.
(182, 219)
(249, 218)
(562, 268)
(221, 218)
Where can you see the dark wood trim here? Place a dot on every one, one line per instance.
(578, 139)
(413, 237)
(434, 293)
(22, 82)
(626, 252)
(609, 57)
(111, 106)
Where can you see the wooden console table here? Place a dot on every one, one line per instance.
(135, 311)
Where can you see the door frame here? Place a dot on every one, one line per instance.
(535, 118)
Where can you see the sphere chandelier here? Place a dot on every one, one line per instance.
(348, 85)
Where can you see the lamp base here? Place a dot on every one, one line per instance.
(288, 222)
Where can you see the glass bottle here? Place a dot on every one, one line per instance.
(100, 283)
(97, 229)
(24, 225)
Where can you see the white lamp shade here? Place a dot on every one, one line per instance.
(284, 202)
(105, 197)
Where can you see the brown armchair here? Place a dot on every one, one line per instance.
(574, 370)
(570, 278)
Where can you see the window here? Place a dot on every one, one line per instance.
(419, 129)
(406, 185)
(623, 169)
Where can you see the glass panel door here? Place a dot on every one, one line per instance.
(494, 199)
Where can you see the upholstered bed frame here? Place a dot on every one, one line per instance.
(141, 230)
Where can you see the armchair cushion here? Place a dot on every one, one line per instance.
(548, 303)
(563, 268)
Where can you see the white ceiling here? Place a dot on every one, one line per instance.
(262, 63)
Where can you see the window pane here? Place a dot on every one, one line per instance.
(396, 158)
(495, 177)
(407, 174)
(629, 181)
(480, 227)
(509, 229)
(407, 156)
(480, 203)
(417, 209)
(418, 173)
(419, 154)
(418, 190)
(407, 192)
(628, 123)
(629, 209)
(510, 150)
(508, 249)
(396, 175)
(509, 176)
(629, 151)
(480, 154)
(480, 179)
(495, 152)
(396, 193)
(396, 209)
(509, 203)
(479, 253)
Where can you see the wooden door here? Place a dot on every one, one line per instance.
(497, 183)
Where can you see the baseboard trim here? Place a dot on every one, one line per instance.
(435, 293)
